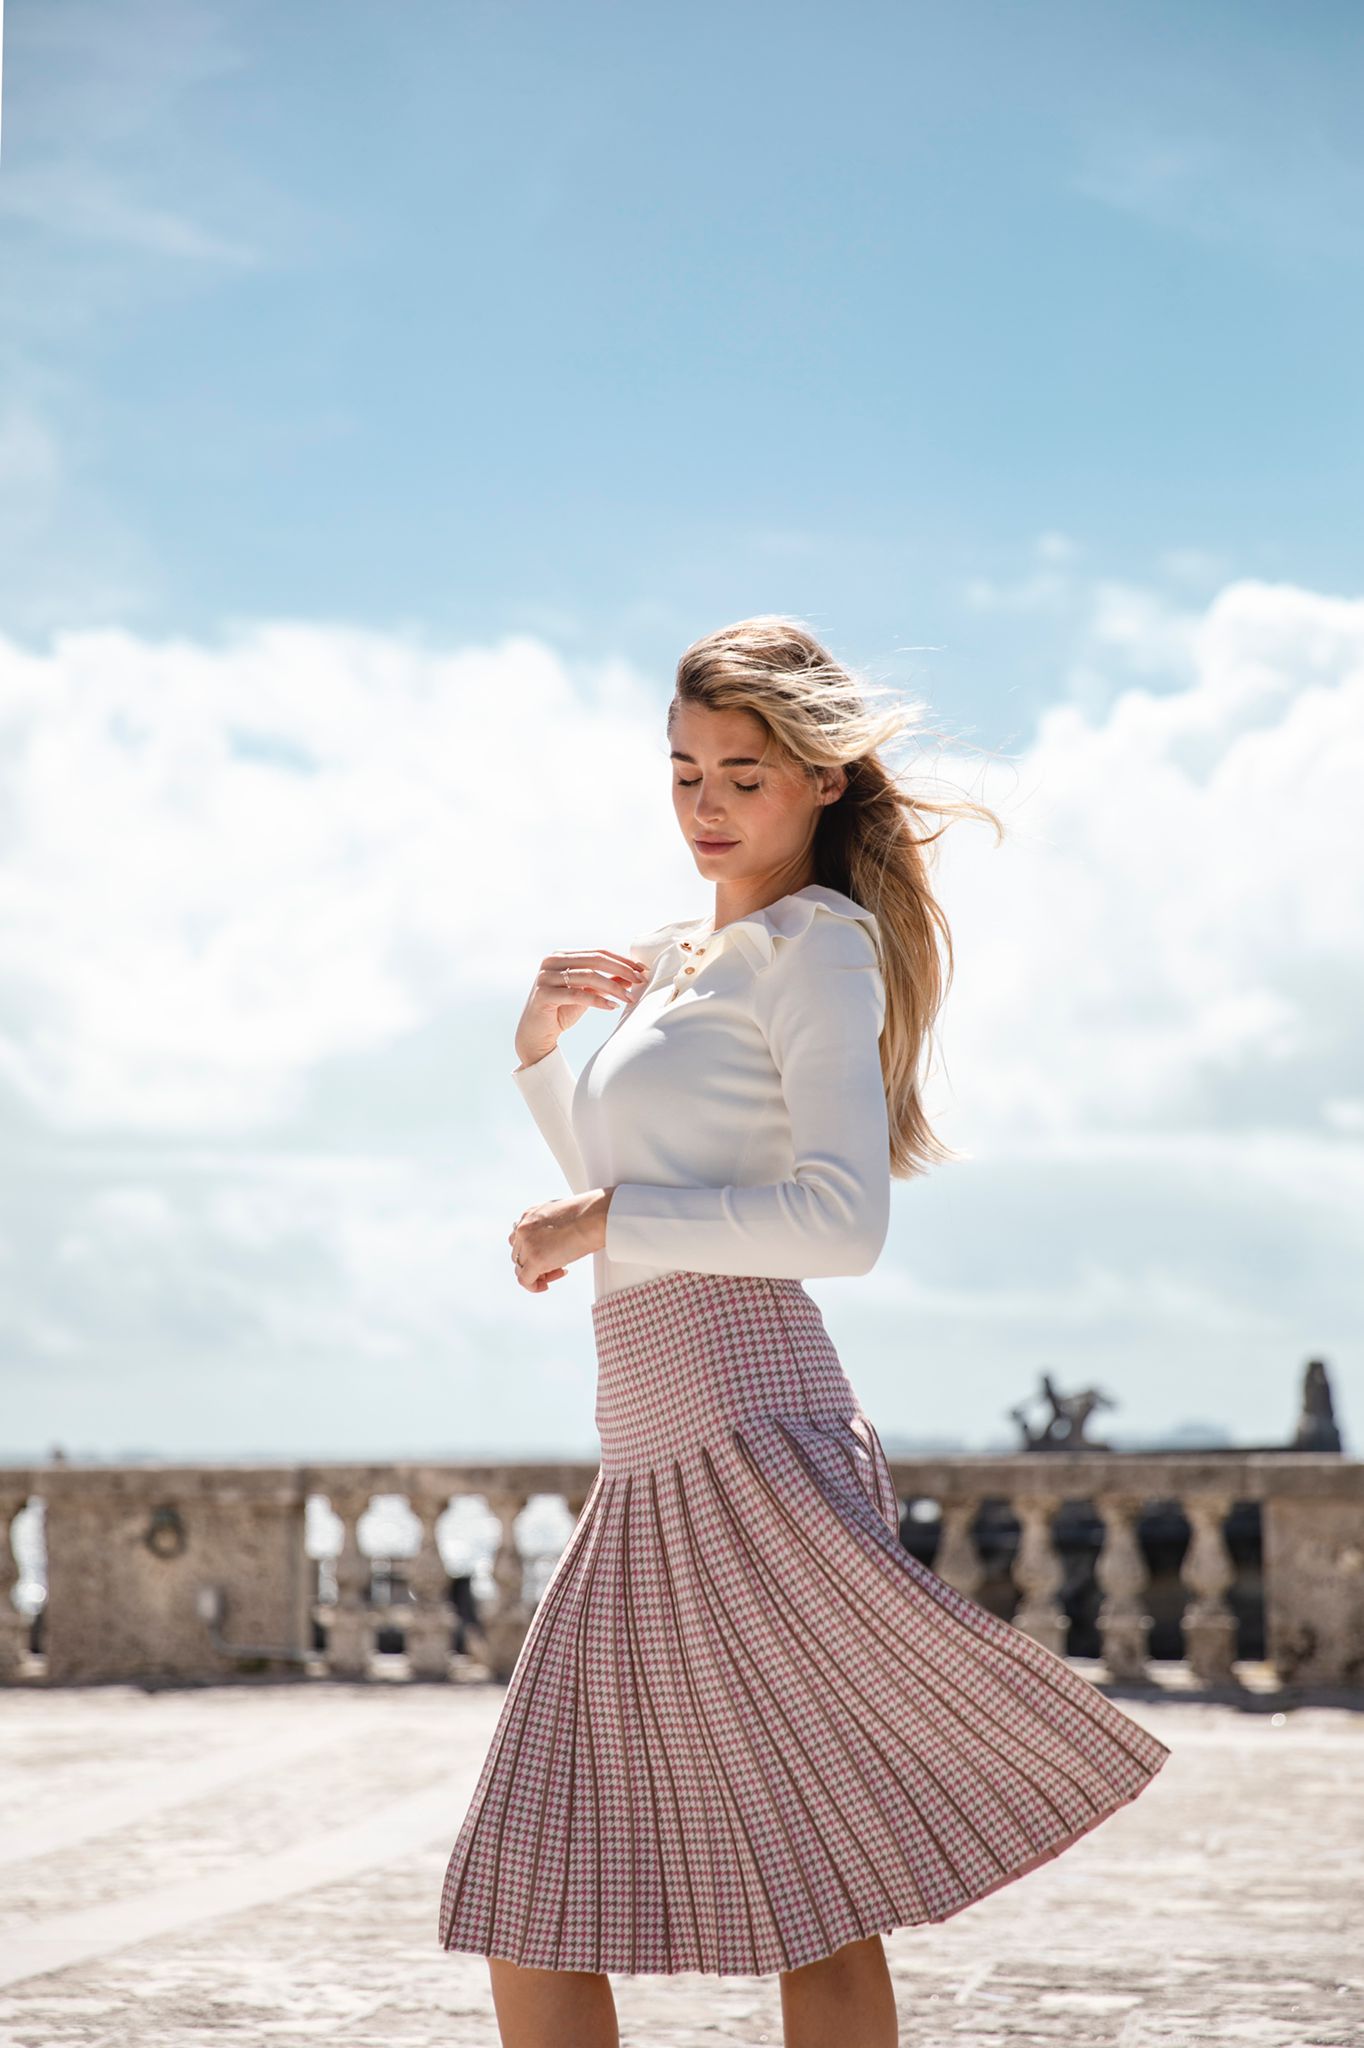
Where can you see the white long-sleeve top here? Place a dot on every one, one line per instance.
(737, 1106)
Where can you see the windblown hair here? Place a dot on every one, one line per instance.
(873, 843)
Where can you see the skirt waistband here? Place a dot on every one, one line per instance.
(684, 1356)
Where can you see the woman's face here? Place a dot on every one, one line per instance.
(747, 814)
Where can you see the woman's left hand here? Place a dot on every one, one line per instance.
(547, 1239)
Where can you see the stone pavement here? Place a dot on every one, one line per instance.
(263, 1864)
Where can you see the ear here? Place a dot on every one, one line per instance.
(833, 782)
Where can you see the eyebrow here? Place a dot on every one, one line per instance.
(730, 760)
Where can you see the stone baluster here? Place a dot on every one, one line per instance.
(1208, 1571)
(13, 1625)
(1038, 1573)
(350, 1627)
(1120, 1571)
(957, 1559)
(430, 1621)
(504, 1628)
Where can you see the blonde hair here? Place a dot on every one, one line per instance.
(870, 843)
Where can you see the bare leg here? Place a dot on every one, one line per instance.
(553, 2008)
(844, 2001)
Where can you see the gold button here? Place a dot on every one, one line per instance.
(689, 970)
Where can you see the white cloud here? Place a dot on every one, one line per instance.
(232, 865)
(65, 555)
(1344, 1112)
(105, 214)
(1143, 629)
(98, 87)
(1175, 936)
(1279, 190)
(269, 910)
(1197, 566)
(80, 201)
(1049, 587)
(30, 472)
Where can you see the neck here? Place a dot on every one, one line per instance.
(741, 898)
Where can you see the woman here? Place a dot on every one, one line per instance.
(748, 1733)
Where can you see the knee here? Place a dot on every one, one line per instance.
(501, 1967)
(538, 2005)
(852, 1960)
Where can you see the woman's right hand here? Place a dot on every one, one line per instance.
(567, 985)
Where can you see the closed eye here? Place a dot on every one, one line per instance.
(747, 787)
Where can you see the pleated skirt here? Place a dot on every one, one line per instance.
(746, 1726)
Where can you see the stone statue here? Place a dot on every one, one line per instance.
(1064, 1429)
(1317, 1427)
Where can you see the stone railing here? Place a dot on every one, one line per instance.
(187, 1573)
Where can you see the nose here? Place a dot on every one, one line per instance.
(705, 815)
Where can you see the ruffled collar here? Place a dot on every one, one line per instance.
(787, 918)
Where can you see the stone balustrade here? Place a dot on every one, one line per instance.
(192, 1573)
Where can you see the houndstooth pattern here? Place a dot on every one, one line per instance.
(678, 1363)
(746, 1726)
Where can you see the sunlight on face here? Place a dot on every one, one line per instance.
(748, 814)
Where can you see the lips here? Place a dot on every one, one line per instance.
(715, 845)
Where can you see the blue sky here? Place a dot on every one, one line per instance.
(387, 396)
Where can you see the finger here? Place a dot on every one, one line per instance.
(592, 986)
(625, 960)
(580, 977)
(607, 966)
(607, 958)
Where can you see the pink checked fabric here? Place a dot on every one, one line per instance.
(746, 1726)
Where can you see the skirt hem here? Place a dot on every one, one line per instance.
(903, 1921)
(747, 1726)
